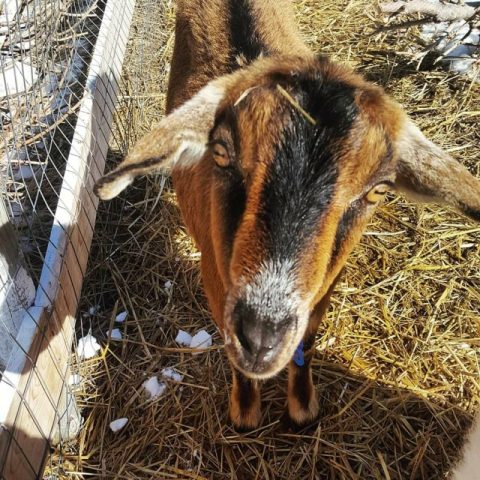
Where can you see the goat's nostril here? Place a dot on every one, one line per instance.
(244, 341)
(245, 325)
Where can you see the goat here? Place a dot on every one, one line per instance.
(278, 157)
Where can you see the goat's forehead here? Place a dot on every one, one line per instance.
(318, 97)
(327, 92)
(306, 179)
(308, 125)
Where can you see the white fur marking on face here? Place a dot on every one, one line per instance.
(274, 295)
(273, 292)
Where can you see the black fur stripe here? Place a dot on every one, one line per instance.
(245, 392)
(344, 226)
(299, 186)
(301, 179)
(302, 387)
(244, 36)
(147, 163)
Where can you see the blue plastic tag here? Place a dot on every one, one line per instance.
(298, 356)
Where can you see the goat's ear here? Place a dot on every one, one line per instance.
(426, 173)
(179, 140)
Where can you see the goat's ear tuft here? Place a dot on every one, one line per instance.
(426, 173)
(180, 140)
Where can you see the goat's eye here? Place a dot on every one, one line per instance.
(378, 192)
(220, 154)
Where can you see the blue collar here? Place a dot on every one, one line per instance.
(298, 356)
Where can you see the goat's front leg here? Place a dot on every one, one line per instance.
(245, 394)
(244, 402)
(302, 399)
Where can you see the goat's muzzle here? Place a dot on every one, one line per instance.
(260, 345)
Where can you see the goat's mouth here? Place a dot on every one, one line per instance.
(265, 363)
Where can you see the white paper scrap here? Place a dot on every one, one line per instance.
(88, 347)
(121, 317)
(183, 338)
(118, 424)
(154, 388)
(172, 374)
(201, 340)
(115, 334)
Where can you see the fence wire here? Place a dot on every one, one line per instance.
(60, 61)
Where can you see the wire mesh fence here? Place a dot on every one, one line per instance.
(60, 63)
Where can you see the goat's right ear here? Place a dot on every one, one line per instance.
(179, 140)
(426, 173)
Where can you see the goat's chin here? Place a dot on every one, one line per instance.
(259, 372)
(261, 375)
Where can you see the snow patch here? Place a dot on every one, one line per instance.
(456, 42)
(17, 293)
(18, 77)
(26, 172)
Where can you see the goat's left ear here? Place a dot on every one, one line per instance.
(426, 173)
(179, 140)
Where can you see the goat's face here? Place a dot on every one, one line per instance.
(298, 165)
(298, 154)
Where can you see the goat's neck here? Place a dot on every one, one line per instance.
(215, 37)
(263, 27)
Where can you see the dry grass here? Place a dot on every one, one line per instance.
(397, 370)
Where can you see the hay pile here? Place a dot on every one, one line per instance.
(397, 370)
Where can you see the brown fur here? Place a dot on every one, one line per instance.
(201, 50)
(302, 400)
(245, 411)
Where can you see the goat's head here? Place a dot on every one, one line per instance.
(299, 152)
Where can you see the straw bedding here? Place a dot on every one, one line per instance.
(397, 369)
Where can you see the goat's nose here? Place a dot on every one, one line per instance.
(258, 336)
